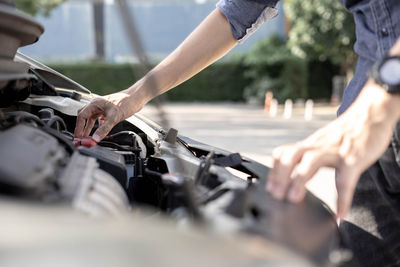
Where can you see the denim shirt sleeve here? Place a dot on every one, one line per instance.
(246, 16)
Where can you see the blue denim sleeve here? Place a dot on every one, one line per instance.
(246, 16)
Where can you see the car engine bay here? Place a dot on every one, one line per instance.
(127, 172)
(124, 171)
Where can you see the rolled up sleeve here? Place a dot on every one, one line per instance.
(246, 16)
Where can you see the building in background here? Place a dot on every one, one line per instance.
(162, 24)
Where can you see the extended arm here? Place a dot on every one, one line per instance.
(211, 40)
(230, 23)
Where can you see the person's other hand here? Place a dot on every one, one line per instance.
(109, 110)
(351, 143)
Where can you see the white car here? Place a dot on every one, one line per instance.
(144, 196)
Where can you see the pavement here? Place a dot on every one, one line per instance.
(249, 130)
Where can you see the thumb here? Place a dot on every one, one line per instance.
(346, 182)
(103, 130)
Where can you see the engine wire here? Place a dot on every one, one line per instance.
(55, 119)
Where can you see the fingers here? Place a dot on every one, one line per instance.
(346, 181)
(285, 159)
(293, 167)
(103, 130)
(89, 126)
(108, 110)
(306, 169)
(81, 122)
(87, 117)
(101, 120)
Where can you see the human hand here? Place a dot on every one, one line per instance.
(109, 110)
(351, 143)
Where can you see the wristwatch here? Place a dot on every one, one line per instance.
(386, 73)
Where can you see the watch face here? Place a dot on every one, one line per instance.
(390, 72)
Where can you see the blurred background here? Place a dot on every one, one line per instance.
(304, 53)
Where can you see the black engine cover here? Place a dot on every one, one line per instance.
(109, 161)
(29, 159)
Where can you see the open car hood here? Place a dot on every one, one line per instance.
(17, 30)
(140, 171)
(19, 73)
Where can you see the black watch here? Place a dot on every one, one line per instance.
(386, 73)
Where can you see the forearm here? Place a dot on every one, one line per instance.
(379, 105)
(376, 97)
(211, 40)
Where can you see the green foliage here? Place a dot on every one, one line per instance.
(319, 85)
(269, 66)
(38, 7)
(320, 45)
(219, 82)
(321, 30)
(272, 67)
(100, 78)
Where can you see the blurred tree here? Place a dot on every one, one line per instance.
(322, 30)
(36, 7)
(272, 67)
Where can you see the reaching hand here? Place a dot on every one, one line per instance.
(194, 54)
(109, 110)
(350, 144)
